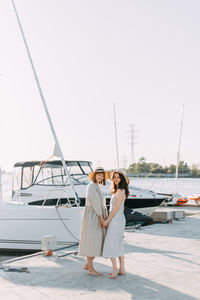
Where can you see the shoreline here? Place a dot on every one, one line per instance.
(158, 175)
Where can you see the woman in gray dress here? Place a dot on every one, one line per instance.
(115, 223)
(92, 230)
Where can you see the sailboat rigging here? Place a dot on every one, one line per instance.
(116, 138)
(178, 198)
(45, 106)
(179, 148)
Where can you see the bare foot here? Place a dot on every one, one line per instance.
(121, 272)
(86, 266)
(94, 273)
(114, 274)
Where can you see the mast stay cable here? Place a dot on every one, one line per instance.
(45, 106)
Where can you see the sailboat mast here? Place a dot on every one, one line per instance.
(116, 139)
(44, 104)
(0, 183)
(179, 147)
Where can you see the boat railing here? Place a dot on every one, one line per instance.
(69, 203)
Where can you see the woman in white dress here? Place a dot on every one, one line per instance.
(92, 231)
(115, 223)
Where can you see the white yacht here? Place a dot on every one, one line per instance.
(43, 203)
(43, 183)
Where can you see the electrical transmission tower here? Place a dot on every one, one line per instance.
(132, 138)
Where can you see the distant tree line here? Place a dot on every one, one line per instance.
(143, 168)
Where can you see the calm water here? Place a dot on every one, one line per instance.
(187, 186)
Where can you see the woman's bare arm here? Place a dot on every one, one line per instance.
(119, 200)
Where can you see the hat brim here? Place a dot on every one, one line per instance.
(120, 172)
(91, 175)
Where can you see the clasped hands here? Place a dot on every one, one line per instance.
(103, 223)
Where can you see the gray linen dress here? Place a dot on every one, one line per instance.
(92, 235)
(113, 245)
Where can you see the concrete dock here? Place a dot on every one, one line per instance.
(162, 262)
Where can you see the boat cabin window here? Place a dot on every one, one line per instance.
(74, 168)
(50, 174)
(86, 167)
(27, 177)
(54, 174)
(23, 177)
(17, 178)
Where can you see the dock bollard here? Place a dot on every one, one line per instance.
(162, 216)
(48, 244)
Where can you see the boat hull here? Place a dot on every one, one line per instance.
(22, 227)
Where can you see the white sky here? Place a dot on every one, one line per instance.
(142, 55)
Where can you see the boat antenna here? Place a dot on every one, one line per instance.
(45, 105)
(116, 139)
(179, 147)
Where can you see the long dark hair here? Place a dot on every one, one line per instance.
(122, 185)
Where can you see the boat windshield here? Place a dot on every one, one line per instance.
(51, 174)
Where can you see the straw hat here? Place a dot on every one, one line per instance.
(98, 170)
(120, 171)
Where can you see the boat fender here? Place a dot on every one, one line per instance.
(181, 201)
(47, 252)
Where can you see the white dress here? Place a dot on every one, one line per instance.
(113, 244)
